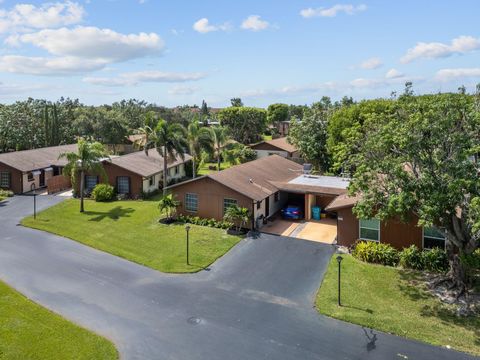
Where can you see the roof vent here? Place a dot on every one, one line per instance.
(307, 168)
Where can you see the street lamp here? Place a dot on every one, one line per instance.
(339, 260)
(32, 188)
(187, 228)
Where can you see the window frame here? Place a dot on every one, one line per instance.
(360, 227)
(30, 176)
(118, 185)
(8, 179)
(86, 182)
(432, 237)
(186, 202)
(235, 202)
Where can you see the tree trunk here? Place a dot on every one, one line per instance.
(165, 168)
(193, 167)
(218, 160)
(457, 273)
(82, 190)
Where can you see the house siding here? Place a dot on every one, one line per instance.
(265, 149)
(210, 198)
(394, 232)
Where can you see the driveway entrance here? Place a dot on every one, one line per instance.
(324, 231)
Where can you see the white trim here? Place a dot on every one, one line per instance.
(363, 227)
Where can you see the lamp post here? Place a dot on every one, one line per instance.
(339, 260)
(187, 228)
(32, 187)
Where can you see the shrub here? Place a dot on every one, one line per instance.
(5, 193)
(378, 253)
(103, 192)
(435, 260)
(412, 258)
(195, 220)
(432, 260)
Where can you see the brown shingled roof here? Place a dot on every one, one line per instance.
(342, 201)
(146, 166)
(280, 143)
(29, 160)
(252, 179)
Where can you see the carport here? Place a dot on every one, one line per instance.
(309, 191)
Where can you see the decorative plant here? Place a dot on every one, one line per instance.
(168, 206)
(237, 215)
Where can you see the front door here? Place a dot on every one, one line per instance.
(42, 178)
(267, 207)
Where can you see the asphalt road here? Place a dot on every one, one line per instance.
(254, 303)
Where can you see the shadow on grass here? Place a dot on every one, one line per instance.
(114, 214)
(412, 283)
(367, 310)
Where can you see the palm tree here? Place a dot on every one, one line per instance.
(237, 215)
(168, 206)
(88, 159)
(220, 139)
(147, 133)
(199, 139)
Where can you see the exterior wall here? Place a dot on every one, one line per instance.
(15, 178)
(393, 232)
(210, 198)
(158, 178)
(27, 185)
(136, 181)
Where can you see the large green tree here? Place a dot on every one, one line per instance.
(277, 113)
(170, 141)
(199, 139)
(309, 136)
(245, 124)
(417, 162)
(86, 160)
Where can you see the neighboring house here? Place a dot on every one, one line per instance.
(21, 170)
(283, 128)
(278, 146)
(264, 186)
(136, 173)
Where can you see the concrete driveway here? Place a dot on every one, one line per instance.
(254, 303)
(323, 231)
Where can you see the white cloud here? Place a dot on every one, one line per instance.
(459, 45)
(393, 74)
(203, 26)
(372, 63)
(367, 83)
(49, 15)
(445, 75)
(254, 23)
(48, 66)
(182, 90)
(134, 78)
(92, 43)
(9, 89)
(333, 11)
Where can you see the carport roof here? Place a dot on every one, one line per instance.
(303, 189)
(342, 201)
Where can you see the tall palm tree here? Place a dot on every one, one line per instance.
(220, 139)
(199, 139)
(86, 160)
(147, 133)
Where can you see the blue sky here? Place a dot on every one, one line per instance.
(179, 52)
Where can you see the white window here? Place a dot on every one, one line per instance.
(90, 182)
(123, 185)
(369, 229)
(227, 203)
(4, 179)
(191, 202)
(151, 180)
(433, 237)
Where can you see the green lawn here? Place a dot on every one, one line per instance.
(204, 170)
(130, 229)
(29, 331)
(392, 300)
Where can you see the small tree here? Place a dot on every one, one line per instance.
(237, 102)
(86, 160)
(220, 138)
(199, 139)
(237, 215)
(168, 206)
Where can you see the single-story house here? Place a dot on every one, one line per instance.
(21, 170)
(137, 173)
(278, 146)
(268, 184)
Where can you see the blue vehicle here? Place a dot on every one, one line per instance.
(292, 212)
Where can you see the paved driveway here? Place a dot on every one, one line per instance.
(254, 303)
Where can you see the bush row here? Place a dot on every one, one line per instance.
(5, 193)
(412, 257)
(204, 222)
